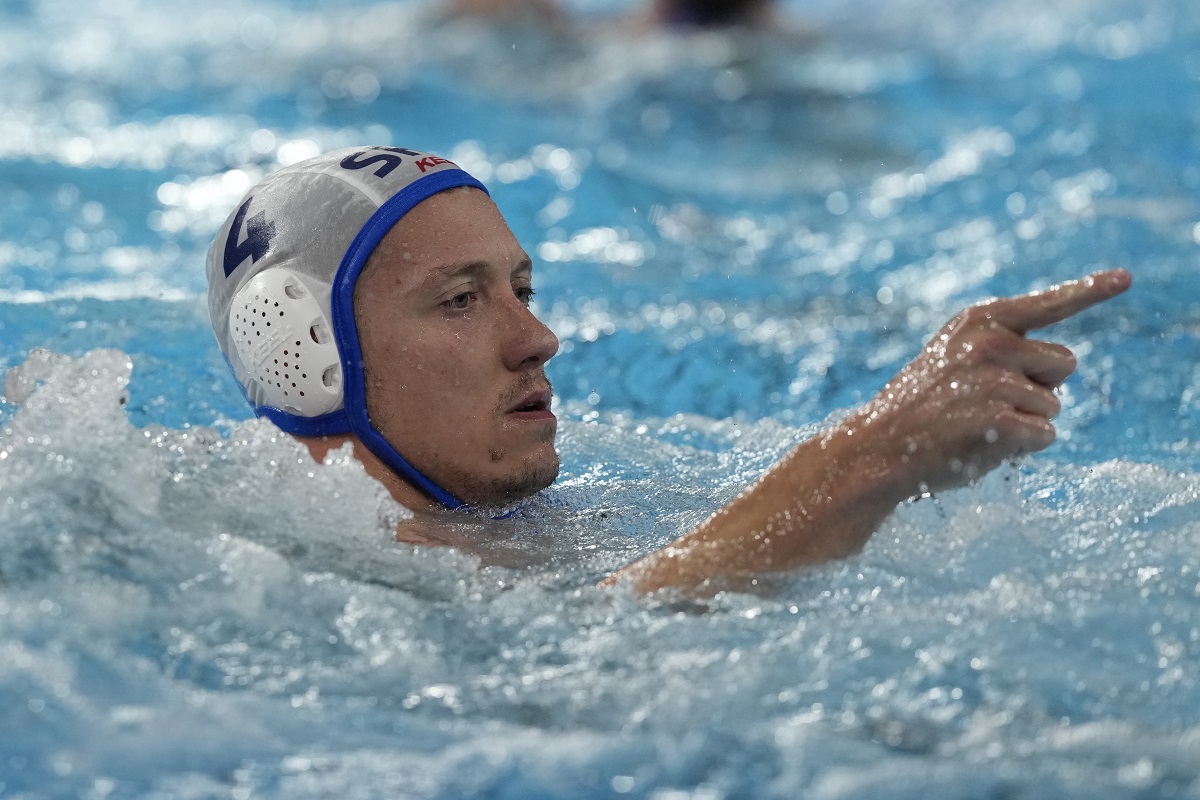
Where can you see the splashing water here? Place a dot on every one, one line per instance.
(188, 613)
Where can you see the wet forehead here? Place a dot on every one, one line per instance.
(460, 230)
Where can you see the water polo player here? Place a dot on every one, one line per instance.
(376, 296)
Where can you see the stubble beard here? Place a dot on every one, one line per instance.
(478, 488)
(530, 478)
(538, 471)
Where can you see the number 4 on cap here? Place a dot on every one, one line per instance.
(259, 234)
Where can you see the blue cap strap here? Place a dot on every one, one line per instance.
(345, 330)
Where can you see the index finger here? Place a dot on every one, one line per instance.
(1038, 309)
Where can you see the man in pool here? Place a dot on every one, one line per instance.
(375, 296)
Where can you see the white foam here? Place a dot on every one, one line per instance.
(179, 605)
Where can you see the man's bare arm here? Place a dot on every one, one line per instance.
(980, 392)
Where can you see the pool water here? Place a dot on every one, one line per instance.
(737, 238)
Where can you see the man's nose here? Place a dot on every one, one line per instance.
(530, 343)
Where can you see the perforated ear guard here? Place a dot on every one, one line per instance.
(282, 336)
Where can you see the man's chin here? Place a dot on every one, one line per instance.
(503, 490)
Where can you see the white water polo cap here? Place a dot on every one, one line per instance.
(281, 278)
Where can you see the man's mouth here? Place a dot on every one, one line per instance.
(533, 405)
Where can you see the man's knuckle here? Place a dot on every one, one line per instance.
(1054, 403)
(978, 315)
(1007, 425)
(990, 344)
(953, 326)
(989, 384)
(1039, 437)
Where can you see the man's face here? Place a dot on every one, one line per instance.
(454, 360)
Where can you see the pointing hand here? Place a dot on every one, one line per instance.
(981, 391)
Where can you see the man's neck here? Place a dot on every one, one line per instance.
(404, 493)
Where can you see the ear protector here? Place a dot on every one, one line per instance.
(281, 334)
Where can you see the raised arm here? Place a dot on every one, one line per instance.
(978, 393)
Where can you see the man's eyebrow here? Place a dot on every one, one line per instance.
(438, 276)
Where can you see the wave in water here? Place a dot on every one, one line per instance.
(188, 614)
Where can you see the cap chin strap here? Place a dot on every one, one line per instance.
(345, 330)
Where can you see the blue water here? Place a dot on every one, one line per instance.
(735, 239)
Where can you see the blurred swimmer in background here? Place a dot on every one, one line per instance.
(375, 297)
(685, 14)
(679, 15)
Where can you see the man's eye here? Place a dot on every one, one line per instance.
(460, 301)
(525, 294)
